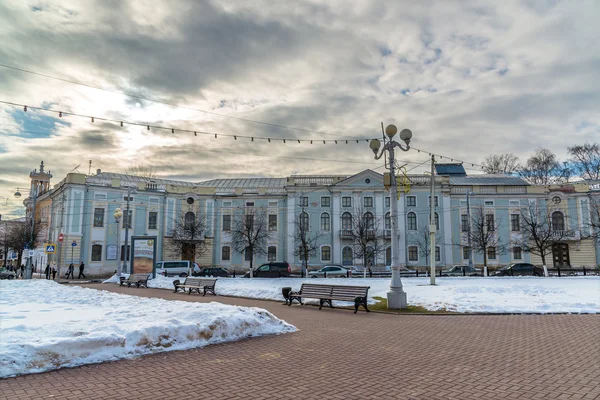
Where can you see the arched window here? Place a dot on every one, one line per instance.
(304, 222)
(346, 220)
(387, 221)
(325, 222)
(411, 221)
(388, 256)
(370, 256)
(225, 253)
(347, 256)
(558, 221)
(189, 220)
(369, 220)
(437, 222)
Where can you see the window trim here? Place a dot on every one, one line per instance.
(407, 203)
(92, 252)
(416, 249)
(387, 202)
(435, 199)
(464, 224)
(518, 220)
(222, 248)
(365, 202)
(321, 253)
(348, 218)
(495, 253)
(155, 222)
(351, 253)
(303, 201)
(520, 253)
(438, 254)
(408, 225)
(269, 253)
(223, 223)
(328, 201)
(103, 214)
(269, 222)
(463, 252)
(328, 222)
(350, 201)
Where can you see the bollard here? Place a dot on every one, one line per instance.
(558, 268)
(486, 272)
(584, 271)
(546, 274)
(464, 271)
(440, 274)
(347, 273)
(416, 273)
(324, 274)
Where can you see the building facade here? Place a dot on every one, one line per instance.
(82, 208)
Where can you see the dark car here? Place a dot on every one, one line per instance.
(462, 270)
(520, 269)
(212, 271)
(274, 269)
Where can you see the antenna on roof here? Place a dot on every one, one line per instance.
(90, 168)
(75, 169)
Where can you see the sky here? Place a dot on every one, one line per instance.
(469, 78)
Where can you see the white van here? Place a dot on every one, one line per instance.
(174, 268)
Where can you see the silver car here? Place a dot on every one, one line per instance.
(329, 271)
(457, 270)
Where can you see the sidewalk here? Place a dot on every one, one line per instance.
(339, 355)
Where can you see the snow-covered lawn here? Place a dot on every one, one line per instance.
(47, 326)
(492, 295)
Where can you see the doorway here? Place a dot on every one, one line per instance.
(188, 252)
(560, 255)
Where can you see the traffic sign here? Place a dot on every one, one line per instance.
(31, 253)
(50, 248)
(74, 243)
(61, 237)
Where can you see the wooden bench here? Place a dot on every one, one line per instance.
(197, 284)
(328, 293)
(135, 279)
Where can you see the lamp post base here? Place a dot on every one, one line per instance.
(396, 298)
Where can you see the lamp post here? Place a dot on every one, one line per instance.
(127, 222)
(396, 296)
(469, 230)
(118, 214)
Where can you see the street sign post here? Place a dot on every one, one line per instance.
(61, 237)
(50, 248)
(73, 245)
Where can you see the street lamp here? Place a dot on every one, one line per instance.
(118, 214)
(470, 193)
(396, 296)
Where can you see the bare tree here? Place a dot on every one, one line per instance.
(306, 243)
(250, 234)
(142, 170)
(593, 223)
(422, 240)
(484, 233)
(367, 238)
(542, 168)
(505, 164)
(586, 160)
(188, 234)
(19, 236)
(539, 232)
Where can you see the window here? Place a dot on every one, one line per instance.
(517, 253)
(227, 204)
(326, 201)
(491, 253)
(368, 202)
(387, 202)
(558, 221)
(303, 253)
(248, 255)
(388, 256)
(124, 252)
(488, 202)
(273, 203)
(413, 253)
(304, 223)
(514, 203)
(325, 253)
(152, 219)
(464, 223)
(489, 222)
(411, 201)
(225, 253)
(387, 221)
(325, 222)
(303, 201)
(127, 218)
(411, 221)
(346, 201)
(438, 254)
(96, 252)
(369, 220)
(189, 220)
(347, 256)
(98, 217)
(437, 221)
(272, 253)
(272, 222)
(250, 222)
(190, 200)
(466, 252)
(435, 199)
(346, 220)
(515, 223)
(249, 204)
(226, 222)
(370, 255)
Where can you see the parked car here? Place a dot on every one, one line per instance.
(175, 268)
(212, 271)
(520, 269)
(6, 274)
(274, 269)
(332, 271)
(458, 270)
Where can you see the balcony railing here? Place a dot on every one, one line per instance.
(346, 233)
(566, 235)
(387, 233)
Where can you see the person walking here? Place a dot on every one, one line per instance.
(54, 271)
(81, 267)
(70, 271)
(20, 271)
(47, 271)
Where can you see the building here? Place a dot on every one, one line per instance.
(82, 208)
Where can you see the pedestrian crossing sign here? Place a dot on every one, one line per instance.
(50, 248)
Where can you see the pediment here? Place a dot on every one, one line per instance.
(364, 179)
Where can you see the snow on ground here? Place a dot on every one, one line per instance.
(469, 294)
(48, 326)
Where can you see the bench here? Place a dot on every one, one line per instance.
(328, 293)
(135, 279)
(197, 284)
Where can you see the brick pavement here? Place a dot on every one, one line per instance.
(339, 355)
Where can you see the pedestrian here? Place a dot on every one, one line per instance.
(20, 271)
(47, 271)
(81, 267)
(370, 273)
(54, 271)
(70, 271)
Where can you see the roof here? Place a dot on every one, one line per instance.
(450, 169)
(135, 179)
(245, 183)
(487, 179)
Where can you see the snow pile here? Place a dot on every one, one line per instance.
(48, 326)
(491, 295)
